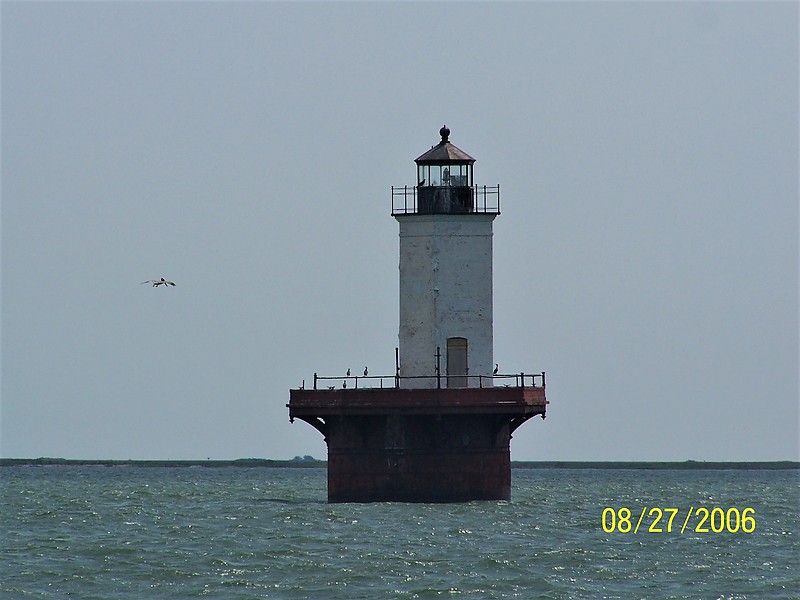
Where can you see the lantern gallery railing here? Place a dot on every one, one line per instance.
(393, 381)
(422, 200)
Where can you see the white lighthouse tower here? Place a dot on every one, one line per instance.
(445, 337)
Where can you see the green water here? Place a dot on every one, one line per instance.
(134, 532)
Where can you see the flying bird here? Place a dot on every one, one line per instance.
(158, 282)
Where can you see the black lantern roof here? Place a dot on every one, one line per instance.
(444, 152)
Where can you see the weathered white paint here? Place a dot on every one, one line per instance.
(445, 291)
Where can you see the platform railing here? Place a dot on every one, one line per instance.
(352, 381)
(485, 200)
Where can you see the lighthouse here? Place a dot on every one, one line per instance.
(445, 271)
(439, 428)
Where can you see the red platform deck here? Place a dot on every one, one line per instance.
(488, 400)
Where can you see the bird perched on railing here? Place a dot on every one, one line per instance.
(158, 282)
(496, 368)
(366, 371)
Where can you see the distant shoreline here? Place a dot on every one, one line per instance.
(307, 463)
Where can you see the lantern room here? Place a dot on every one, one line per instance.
(445, 185)
(444, 165)
(444, 176)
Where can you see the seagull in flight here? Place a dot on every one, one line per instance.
(158, 282)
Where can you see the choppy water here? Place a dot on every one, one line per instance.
(128, 532)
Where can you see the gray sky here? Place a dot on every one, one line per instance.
(646, 257)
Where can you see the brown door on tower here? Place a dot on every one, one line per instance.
(457, 369)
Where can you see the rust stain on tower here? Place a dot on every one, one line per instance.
(438, 429)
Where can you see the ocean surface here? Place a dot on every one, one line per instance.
(185, 532)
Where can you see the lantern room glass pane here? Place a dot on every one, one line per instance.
(436, 174)
(458, 175)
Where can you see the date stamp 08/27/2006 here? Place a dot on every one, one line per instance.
(666, 520)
